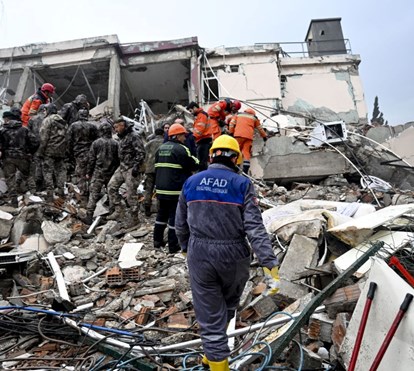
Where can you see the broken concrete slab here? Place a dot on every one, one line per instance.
(35, 242)
(55, 233)
(358, 230)
(273, 218)
(402, 144)
(393, 241)
(5, 215)
(283, 157)
(302, 252)
(75, 273)
(5, 228)
(27, 222)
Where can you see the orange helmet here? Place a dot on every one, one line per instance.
(48, 87)
(176, 129)
(250, 110)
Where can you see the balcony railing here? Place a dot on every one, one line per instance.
(325, 47)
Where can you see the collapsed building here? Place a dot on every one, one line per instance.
(102, 297)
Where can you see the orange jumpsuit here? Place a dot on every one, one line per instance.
(202, 127)
(31, 106)
(242, 128)
(218, 112)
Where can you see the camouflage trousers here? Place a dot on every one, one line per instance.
(95, 189)
(81, 169)
(149, 185)
(54, 173)
(11, 166)
(123, 176)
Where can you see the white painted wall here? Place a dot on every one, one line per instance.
(327, 87)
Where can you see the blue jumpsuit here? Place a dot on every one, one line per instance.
(217, 210)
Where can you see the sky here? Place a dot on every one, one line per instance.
(380, 31)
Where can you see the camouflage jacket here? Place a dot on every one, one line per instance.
(69, 112)
(35, 123)
(17, 141)
(131, 149)
(151, 149)
(81, 135)
(103, 156)
(53, 141)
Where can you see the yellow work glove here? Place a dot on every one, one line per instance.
(272, 280)
(184, 253)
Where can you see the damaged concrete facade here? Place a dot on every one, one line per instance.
(116, 77)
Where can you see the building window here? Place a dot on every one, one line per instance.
(210, 86)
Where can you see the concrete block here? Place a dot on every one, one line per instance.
(302, 252)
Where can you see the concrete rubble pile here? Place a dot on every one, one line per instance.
(88, 296)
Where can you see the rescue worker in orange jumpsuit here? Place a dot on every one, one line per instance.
(33, 103)
(217, 114)
(242, 128)
(202, 134)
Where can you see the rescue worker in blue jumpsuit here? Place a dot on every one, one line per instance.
(217, 214)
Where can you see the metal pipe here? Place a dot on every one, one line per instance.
(141, 350)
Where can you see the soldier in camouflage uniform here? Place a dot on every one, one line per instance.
(103, 161)
(131, 156)
(17, 145)
(36, 172)
(53, 145)
(151, 149)
(81, 135)
(69, 111)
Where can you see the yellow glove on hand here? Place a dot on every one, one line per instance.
(272, 280)
(184, 253)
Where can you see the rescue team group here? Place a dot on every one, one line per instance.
(210, 210)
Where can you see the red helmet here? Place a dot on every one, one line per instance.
(176, 129)
(236, 105)
(48, 87)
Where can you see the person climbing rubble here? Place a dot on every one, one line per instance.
(131, 155)
(218, 253)
(173, 165)
(31, 105)
(151, 149)
(81, 135)
(17, 145)
(52, 151)
(202, 133)
(217, 115)
(242, 127)
(103, 160)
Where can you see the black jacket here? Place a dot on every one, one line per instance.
(173, 165)
(17, 141)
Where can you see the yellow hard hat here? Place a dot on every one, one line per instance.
(227, 142)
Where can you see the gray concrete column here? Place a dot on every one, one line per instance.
(114, 85)
(194, 88)
(21, 86)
